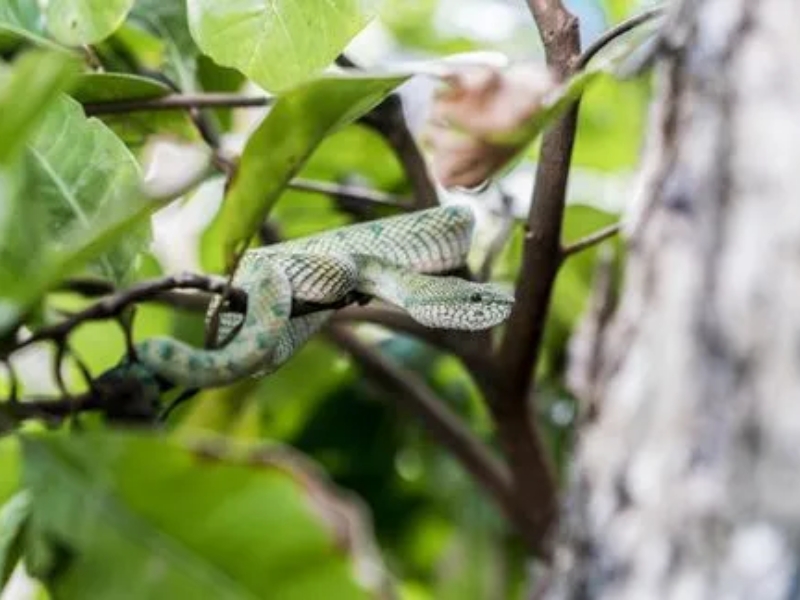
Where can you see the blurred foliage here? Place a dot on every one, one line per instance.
(113, 510)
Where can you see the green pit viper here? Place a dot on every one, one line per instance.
(393, 259)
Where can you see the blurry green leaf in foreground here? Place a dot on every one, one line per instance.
(276, 43)
(38, 78)
(276, 151)
(142, 517)
(27, 90)
(78, 22)
(87, 180)
(20, 22)
(74, 199)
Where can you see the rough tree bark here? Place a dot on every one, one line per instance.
(687, 485)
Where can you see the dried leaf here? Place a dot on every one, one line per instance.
(477, 119)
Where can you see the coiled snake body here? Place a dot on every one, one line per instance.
(392, 259)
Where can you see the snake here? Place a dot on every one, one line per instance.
(398, 259)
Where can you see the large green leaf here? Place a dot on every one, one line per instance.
(141, 517)
(27, 90)
(276, 151)
(78, 22)
(86, 178)
(38, 78)
(277, 43)
(75, 199)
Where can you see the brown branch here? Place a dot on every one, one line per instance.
(348, 194)
(510, 392)
(414, 396)
(590, 240)
(177, 102)
(113, 305)
(387, 119)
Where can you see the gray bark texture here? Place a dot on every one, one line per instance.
(686, 485)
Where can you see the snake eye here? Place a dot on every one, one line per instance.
(476, 297)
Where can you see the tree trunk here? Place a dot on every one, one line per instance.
(687, 485)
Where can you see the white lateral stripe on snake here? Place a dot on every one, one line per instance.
(392, 259)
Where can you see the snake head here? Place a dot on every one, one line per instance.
(452, 303)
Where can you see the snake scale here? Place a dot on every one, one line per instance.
(393, 259)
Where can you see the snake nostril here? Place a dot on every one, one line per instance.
(476, 297)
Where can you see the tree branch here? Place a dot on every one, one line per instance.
(348, 194)
(176, 102)
(387, 119)
(510, 392)
(113, 305)
(590, 240)
(414, 396)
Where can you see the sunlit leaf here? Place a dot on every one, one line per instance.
(611, 125)
(276, 151)
(144, 517)
(27, 90)
(78, 22)
(9, 468)
(277, 43)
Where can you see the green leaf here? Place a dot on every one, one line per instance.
(276, 151)
(277, 43)
(13, 515)
(166, 19)
(133, 127)
(37, 78)
(142, 517)
(21, 21)
(105, 87)
(611, 125)
(9, 467)
(618, 9)
(76, 198)
(86, 178)
(79, 22)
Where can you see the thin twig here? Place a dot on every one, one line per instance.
(113, 305)
(177, 102)
(615, 32)
(350, 193)
(590, 240)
